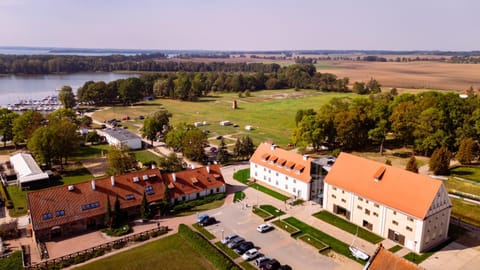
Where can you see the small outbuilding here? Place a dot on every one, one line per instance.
(27, 170)
(119, 136)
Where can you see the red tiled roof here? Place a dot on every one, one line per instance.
(384, 259)
(184, 184)
(293, 161)
(60, 198)
(408, 192)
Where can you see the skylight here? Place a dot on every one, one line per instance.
(149, 190)
(90, 206)
(129, 197)
(47, 216)
(60, 213)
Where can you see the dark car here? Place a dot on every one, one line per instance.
(208, 221)
(262, 263)
(271, 265)
(243, 247)
(235, 242)
(285, 267)
(202, 218)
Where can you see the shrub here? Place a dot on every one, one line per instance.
(440, 161)
(141, 238)
(119, 245)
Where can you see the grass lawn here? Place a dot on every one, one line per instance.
(12, 262)
(75, 174)
(466, 211)
(279, 106)
(232, 254)
(285, 226)
(19, 199)
(243, 175)
(203, 231)
(90, 151)
(335, 244)
(395, 248)
(313, 241)
(261, 213)
(348, 226)
(468, 172)
(418, 258)
(201, 208)
(247, 266)
(272, 210)
(238, 196)
(172, 252)
(453, 184)
(146, 156)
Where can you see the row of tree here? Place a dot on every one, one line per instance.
(192, 85)
(425, 121)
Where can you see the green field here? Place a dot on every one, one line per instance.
(172, 252)
(453, 184)
(466, 211)
(348, 227)
(146, 156)
(273, 120)
(468, 172)
(203, 231)
(272, 210)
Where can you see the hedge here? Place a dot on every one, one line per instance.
(185, 206)
(206, 249)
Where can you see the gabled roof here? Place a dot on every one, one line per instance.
(26, 168)
(121, 134)
(384, 259)
(194, 180)
(72, 202)
(405, 191)
(293, 164)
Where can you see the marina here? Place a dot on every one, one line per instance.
(47, 104)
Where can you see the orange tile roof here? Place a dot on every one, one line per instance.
(293, 160)
(59, 198)
(384, 259)
(408, 192)
(185, 185)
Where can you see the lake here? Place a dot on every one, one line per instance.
(15, 88)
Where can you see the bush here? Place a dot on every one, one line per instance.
(185, 206)
(206, 249)
(122, 230)
(119, 245)
(141, 238)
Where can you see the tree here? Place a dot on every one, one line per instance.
(108, 213)
(117, 217)
(7, 118)
(92, 137)
(192, 144)
(309, 131)
(156, 125)
(66, 97)
(119, 160)
(171, 163)
(359, 88)
(467, 151)
(412, 164)
(222, 153)
(42, 145)
(25, 125)
(144, 209)
(373, 86)
(440, 161)
(403, 119)
(130, 90)
(66, 139)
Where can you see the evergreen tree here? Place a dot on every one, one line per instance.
(144, 210)
(237, 149)
(222, 154)
(388, 162)
(117, 215)
(440, 161)
(108, 213)
(466, 152)
(412, 165)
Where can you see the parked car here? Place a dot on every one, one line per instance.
(243, 247)
(264, 227)
(229, 238)
(271, 265)
(261, 261)
(208, 221)
(250, 254)
(235, 242)
(202, 217)
(285, 267)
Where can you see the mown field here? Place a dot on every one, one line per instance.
(410, 75)
(274, 120)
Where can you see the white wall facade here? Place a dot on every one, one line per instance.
(199, 194)
(287, 183)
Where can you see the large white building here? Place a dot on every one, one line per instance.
(120, 136)
(287, 171)
(406, 207)
(27, 170)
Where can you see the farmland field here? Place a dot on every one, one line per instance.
(410, 75)
(273, 120)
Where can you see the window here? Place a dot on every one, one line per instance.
(343, 192)
(264, 169)
(410, 219)
(395, 222)
(255, 165)
(367, 211)
(294, 190)
(294, 181)
(149, 190)
(375, 214)
(366, 201)
(359, 207)
(367, 225)
(376, 205)
(269, 171)
(218, 189)
(333, 196)
(360, 199)
(343, 200)
(90, 206)
(129, 197)
(255, 173)
(47, 216)
(264, 177)
(394, 212)
(276, 183)
(276, 174)
(409, 229)
(334, 188)
(60, 213)
(286, 186)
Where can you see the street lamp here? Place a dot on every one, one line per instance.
(222, 233)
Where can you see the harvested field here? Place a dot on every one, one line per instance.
(416, 75)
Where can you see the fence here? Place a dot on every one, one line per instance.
(87, 254)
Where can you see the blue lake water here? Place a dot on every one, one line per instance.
(15, 88)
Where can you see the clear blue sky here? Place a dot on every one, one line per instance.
(242, 25)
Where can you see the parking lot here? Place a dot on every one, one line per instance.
(238, 219)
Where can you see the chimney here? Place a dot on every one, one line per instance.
(93, 184)
(174, 177)
(71, 187)
(305, 157)
(208, 169)
(273, 146)
(193, 166)
(112, 180)
(153, 166)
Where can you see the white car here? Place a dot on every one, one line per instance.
(264, 227)
(229, 238)
(250, 254)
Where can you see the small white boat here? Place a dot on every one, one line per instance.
(359, 254)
